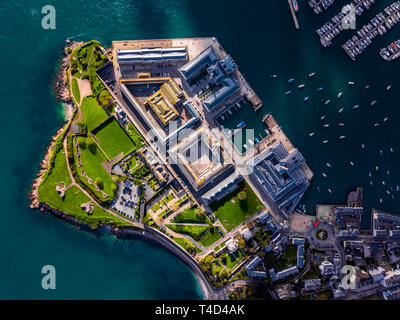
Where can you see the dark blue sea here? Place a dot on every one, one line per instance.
(260, 36)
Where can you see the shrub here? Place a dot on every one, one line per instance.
(242, 195)
(99, 182)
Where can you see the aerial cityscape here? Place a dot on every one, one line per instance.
(254, 176)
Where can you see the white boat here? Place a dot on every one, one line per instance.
(311, 134)
(397, 188)
(376, 124)
(371, 183)
(388, 172)
(250, 142)
(388, 87)
(381, 152)
(324, 175)
(351, 83)
(363, 145)
(374, 102)
(380, 200)
(340, 94)
(352, 163)
(328, 165)
(323, 117)
(329, 190)
(326, 125)
(376, 168)
(341, 110)
(342, 137)
(341, 124)
(356, 106)
(301, 86)
(312, 74)
(370, 174)
(327, 102)
(245, 146)
(391, 150)
(386, 119)
(273, 76)
(383, 183)
(325, 141)
(367, 87)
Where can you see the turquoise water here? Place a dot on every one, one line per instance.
(262, 40)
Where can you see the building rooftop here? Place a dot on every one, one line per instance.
(281, 175)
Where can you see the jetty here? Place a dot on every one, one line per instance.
(378, 26)
(320, 5)
(335, 26)
(391, 52)
(296, 23)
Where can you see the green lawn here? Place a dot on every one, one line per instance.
(113, 139)
(156, 207)
(196, 232)
(233, 260)
(135, 135)
(93, 113)
(186, 244)
(74, 197)
(92, 159)
(75, 90)
(288, 258)
(169, 198)
(189, 216)
(210, 237)
(231, 211)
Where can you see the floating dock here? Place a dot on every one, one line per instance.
(391, 52)
(320, 5)
(335, 26)
(296, 23)
(378, 26)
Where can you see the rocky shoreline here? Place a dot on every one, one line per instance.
(62, 94)
(34, 194)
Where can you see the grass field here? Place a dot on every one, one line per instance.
(74, 197)
(92, 159)
(189, 216)
(231, 211)
(113, 139)
(184, 243)
(135, 135)
(233, 260)
(75, 90)
(288, 258)
(210, 237)
(196, 232)
(93, 113)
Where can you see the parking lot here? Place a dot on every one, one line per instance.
(127, 199)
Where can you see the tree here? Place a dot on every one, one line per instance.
(198, 212)
(99, 182)
(114, 188)
(82, 143)
(242, 195)
(174, 206)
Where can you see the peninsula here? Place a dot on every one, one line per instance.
(148, 151)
